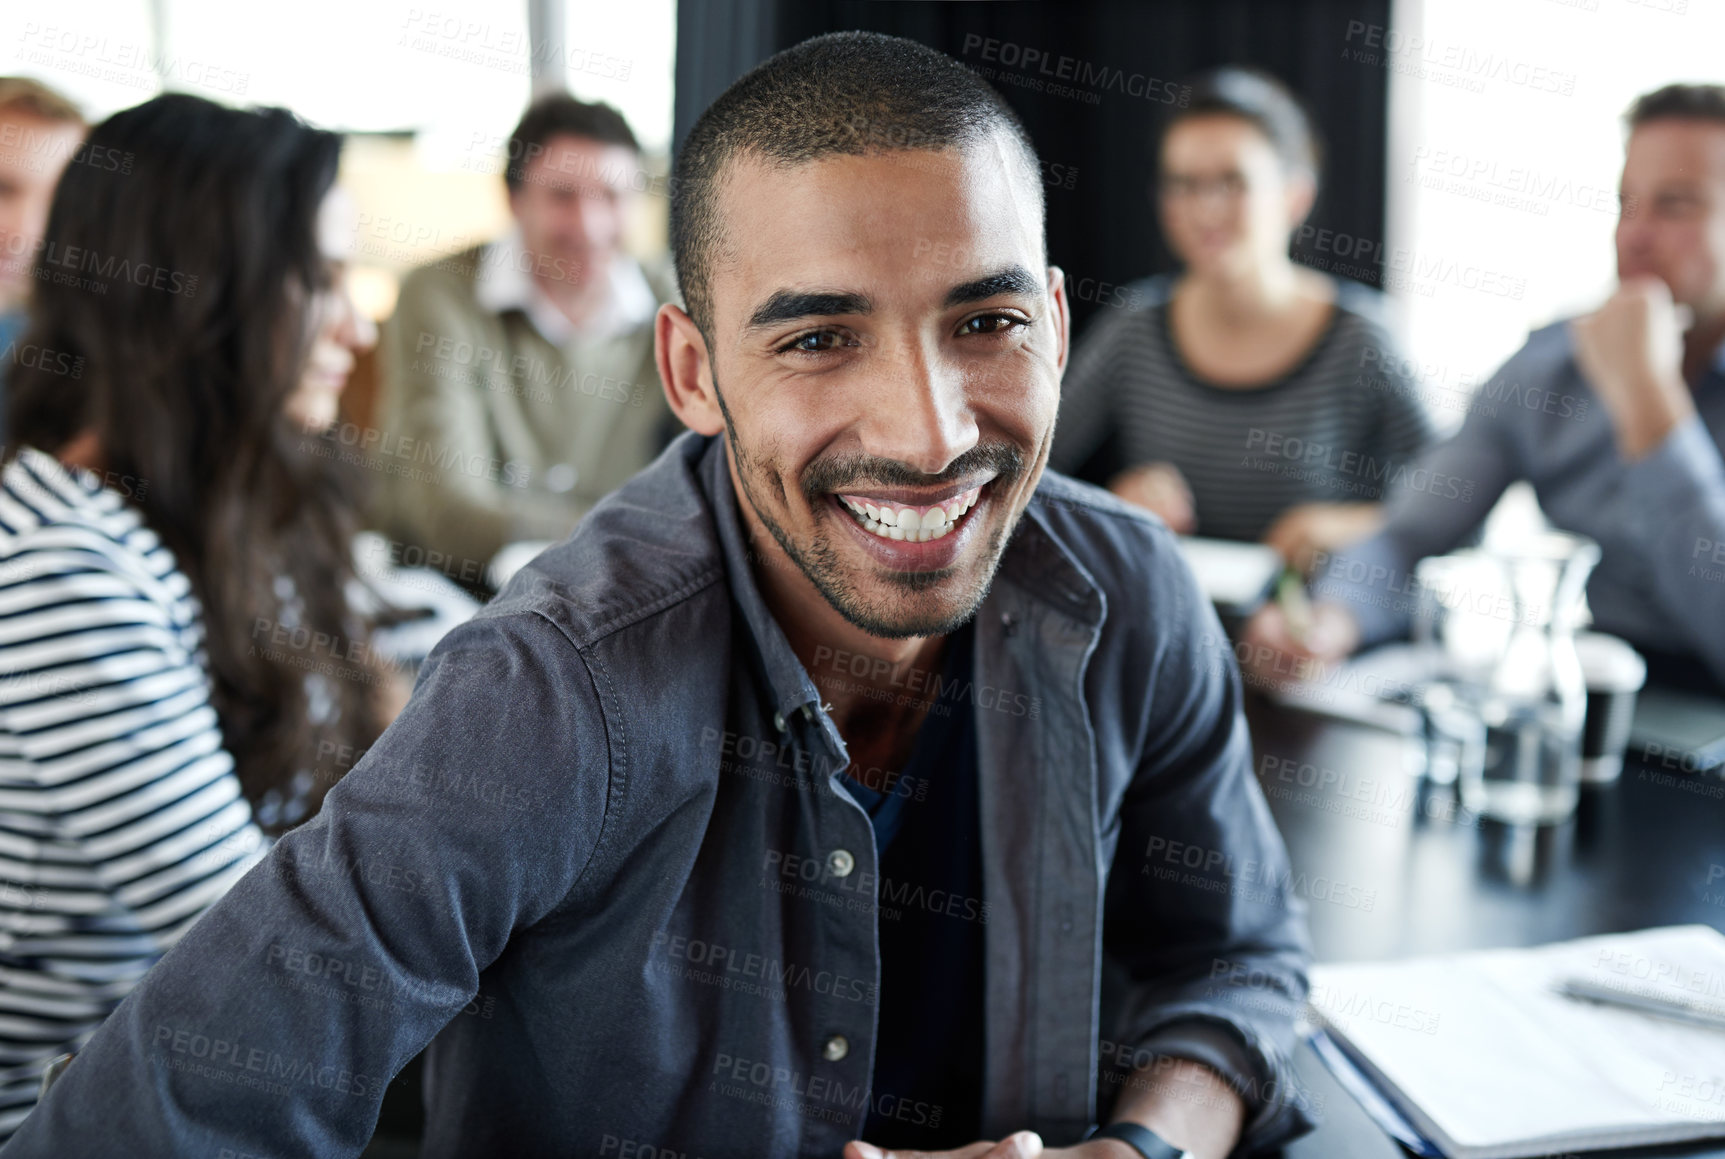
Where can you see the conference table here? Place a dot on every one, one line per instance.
(1391, 870)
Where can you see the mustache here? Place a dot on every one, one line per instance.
(847, 472)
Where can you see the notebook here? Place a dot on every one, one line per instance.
(1371, 688)
(1235, 576)
(1486, 1060)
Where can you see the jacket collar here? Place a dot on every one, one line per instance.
(791, 688)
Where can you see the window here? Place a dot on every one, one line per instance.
(1506, 142)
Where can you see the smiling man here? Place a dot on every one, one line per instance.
(532, 352)
(845, 776)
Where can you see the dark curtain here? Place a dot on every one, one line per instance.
(1126, 60)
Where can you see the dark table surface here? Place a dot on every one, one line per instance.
(1391, 871)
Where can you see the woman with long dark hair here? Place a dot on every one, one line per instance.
(177, 642)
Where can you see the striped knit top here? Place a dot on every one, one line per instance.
(1337, 428)
(121, 818)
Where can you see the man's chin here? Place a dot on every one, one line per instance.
(906, 605)
(899, 625)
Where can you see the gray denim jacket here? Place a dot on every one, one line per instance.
(602, 865)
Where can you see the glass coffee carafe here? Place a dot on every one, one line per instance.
(1505, 620)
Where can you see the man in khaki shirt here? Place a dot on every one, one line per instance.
(519, 382)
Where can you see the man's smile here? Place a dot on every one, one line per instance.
(911, 533)
(907, 520)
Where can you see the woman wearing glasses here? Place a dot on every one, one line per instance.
(1250, 398)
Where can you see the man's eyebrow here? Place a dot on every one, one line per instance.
(789, 305)
(1011, 280)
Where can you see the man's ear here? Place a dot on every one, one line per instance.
(1302, 195)
(681, 353)
(1062, 312)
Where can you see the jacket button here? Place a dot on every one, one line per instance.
(779, 721)
(835, 1048)
(840, 863)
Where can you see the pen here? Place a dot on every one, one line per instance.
(1296, 607)
(1672, 1008)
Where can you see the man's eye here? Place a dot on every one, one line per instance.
(990, 324)
(815, 342)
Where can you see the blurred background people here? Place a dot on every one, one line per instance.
(1615, 417)
(1251, 398)
(180, 650)
(40, 130)
(528, 362)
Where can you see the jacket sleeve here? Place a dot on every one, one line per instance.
(1430, 508)
(1201, 911)
(449, 492)
(276, 1022)
(1674, 500)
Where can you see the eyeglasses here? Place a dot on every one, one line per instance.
(1174, 187)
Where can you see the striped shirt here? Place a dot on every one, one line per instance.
(121, 818)
(1337, 428)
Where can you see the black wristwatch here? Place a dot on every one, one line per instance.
(1142, 1140)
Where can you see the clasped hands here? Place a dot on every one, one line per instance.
(1186, 1102)
(1018, 1145)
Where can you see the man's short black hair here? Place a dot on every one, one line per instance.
(845, 93)
(1679, 102)
(562, 115)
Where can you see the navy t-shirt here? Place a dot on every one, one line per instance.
(927, 1091)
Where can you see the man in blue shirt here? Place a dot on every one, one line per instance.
(1616, 419)
(844, 776)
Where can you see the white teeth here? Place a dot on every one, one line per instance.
(907, 525)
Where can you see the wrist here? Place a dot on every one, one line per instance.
(1137, 1141)
(1659, 408)
(1641, 435)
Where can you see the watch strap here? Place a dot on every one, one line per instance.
(1141, 1139)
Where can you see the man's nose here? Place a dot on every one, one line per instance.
(356, 331)
(920, 414)
(1634, 235)
(591, 221)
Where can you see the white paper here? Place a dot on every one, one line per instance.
(1491, 1062)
